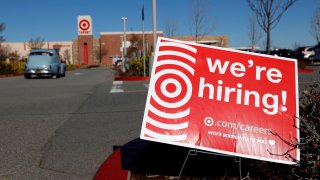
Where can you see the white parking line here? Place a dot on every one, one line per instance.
(117, 87)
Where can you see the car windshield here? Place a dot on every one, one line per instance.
(40, 54)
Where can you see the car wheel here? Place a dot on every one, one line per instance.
(57, 75)
(27, 76)
(311, 59)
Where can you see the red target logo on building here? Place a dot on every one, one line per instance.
(84, 24)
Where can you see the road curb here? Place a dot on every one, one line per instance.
(305, 70)
(111, 168)
(9, 75)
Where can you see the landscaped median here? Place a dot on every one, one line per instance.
(132, 78)
(128, 76)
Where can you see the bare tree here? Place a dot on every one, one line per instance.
(254, 32)
(171, 27)
(315, 25)
(36, 43)
(4, 52)
(296, 45)
(201, 22)
(269, 13)
(135, 49)
(222, 41)
(100, 53)
(14, 56)
(66, 56)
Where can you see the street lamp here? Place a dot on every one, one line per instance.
(124, 35)
(154, 27)
(122, 54)
(154, 24)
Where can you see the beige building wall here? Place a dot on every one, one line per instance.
(221, 41)
(23, 49)
(104, 49)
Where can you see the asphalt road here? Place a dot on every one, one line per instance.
(307, 79)
(65, 128)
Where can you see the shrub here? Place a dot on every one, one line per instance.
(11, 68)
(136, 66)
(71, 67)
(302, 63)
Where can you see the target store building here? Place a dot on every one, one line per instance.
(105, 49)
(108, 48)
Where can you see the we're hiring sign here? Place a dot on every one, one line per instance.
(224, 101)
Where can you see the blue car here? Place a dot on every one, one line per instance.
(43, 62)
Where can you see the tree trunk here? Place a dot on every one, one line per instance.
(268, 36)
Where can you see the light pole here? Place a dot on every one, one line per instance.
(124, 35)
(143, 44)
(154, 24)
(122, 54)
(154, 27)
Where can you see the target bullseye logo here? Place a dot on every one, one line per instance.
(208, 121)
(178, 85)
(171, 87)
(171, 90)
(84, 25)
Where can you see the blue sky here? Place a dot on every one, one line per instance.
(56, 20)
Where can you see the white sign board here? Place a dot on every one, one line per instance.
(84, 25)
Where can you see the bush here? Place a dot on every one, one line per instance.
(71, 67)
(136, 66)
(302, 63)
(11, 68)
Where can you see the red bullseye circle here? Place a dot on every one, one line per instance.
(84, 24)
(171, 88)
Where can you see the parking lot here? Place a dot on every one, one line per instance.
(65, 128)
